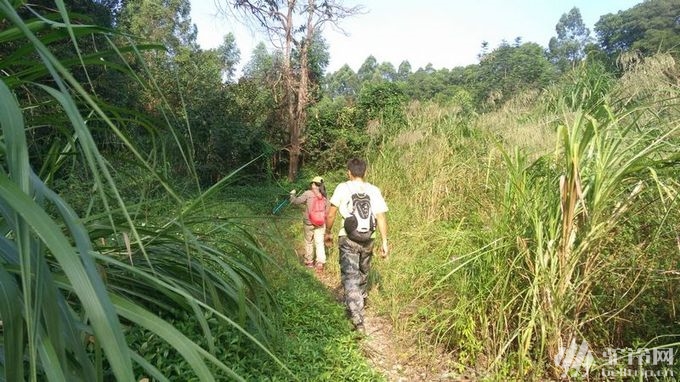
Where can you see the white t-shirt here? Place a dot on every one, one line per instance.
(342, 198)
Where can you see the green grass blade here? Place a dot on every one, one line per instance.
(189, 350)
(12, 326)
(165, 286)
(90, 291)
(153, 371)
(17, 164)
(51, 366)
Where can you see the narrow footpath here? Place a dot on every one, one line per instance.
(396, 357)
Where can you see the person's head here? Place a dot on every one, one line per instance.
(356, 168)
(317, 184)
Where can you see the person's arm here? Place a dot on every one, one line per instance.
(382, 227)
(330, 219)
(299, 199)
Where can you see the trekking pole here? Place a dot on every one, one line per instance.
(280, 206)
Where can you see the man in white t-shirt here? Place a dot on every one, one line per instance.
(355, 254)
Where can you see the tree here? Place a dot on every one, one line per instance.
(382, 102)
(229, 55)
(568, 48)
(192, 89)
(166, 23)
(258, 96)
(387, 72)
(425, 84)
(484, 50)
(319, 57)
(292, 25)
(368, 70)
(648, 27)
(429, 69)
(404, 71)
(261, 63)
(343, 83)
(508, 70)
(160, 21)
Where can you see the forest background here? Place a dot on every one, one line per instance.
(533, 196)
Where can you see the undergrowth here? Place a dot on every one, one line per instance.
(310, 332)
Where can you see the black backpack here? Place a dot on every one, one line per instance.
(360, 225)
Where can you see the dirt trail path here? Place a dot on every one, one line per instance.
(397, 357)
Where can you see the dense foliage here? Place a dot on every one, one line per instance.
(535, 192)
(647, 28)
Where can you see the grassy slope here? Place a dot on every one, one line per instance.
(464, 271)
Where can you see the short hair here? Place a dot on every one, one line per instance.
(357, 167)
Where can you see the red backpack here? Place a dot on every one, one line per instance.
(317, 211)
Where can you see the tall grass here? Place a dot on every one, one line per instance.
(566, 210)
(562, 212)
(74, 289)
(536, 242)
(435, 180)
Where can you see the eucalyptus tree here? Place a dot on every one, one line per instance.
(368, 71)
(291, 26)
(429, 68)
(166, 23)
(319, 57)
(568, 48)
(161, 21)
(229, 56)
(403, 71)
(380, 109)
(424, 85)
(185, 86)
(387, 72)
(342, 83)
(258, 98)
(261, 63)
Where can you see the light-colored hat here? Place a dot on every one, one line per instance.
(317, 179)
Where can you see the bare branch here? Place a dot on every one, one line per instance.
(294, 23)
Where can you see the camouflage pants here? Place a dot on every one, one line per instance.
(355, 262)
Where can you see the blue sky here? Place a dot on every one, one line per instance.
(445, 33)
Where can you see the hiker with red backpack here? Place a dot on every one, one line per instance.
(314, 221)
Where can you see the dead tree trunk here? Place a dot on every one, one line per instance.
(279, 24)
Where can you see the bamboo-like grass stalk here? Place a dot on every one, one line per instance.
(602, 163)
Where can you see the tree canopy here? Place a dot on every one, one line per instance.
(568, 48)
(649, 27)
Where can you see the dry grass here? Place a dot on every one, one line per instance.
(548, 188)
